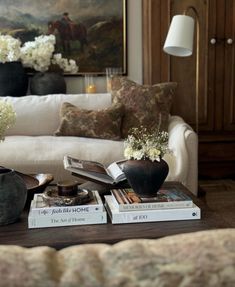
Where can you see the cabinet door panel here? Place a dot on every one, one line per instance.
(229, 71)
(183, 70)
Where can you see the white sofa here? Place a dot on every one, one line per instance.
(31, 147)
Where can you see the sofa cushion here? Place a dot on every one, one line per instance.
(144, 105)
(39, 115)
(105, 123)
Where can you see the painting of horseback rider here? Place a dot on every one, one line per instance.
(68, 31)
(93, 33)
(68, 24)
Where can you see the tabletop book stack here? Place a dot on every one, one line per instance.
(42, 215)
(124, 206)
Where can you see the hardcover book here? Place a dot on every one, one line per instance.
(41, 215)
(126, 200)
(40, 208)
(67, 220)
(92, 170)
(117, 217)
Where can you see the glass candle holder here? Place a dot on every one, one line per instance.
(111, 71)
(90, 87)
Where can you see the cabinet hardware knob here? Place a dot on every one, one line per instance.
(213, 41)
(229, 41)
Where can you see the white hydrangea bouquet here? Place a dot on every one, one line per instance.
(38, 54)
(142, 144)
(10, 49)
(7, 117)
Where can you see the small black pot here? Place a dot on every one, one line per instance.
(47, 83)
(13, 80)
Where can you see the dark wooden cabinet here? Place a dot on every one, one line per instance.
(216, 97)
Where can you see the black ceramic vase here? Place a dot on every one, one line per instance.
(13, 194)
(47, 83)
(146, 177)
(13, 80)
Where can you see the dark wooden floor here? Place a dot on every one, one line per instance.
(223, 185)
(220, 197)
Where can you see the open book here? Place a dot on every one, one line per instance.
(95, 171)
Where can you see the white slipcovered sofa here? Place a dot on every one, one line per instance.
(31, 147)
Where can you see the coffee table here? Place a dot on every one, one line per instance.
(60, 237)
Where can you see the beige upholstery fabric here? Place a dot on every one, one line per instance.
(187, 260)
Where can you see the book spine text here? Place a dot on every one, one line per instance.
(148, 206)
(55, 221)
(66, 210)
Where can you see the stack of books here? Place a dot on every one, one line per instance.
(124, 206)
(42, 215)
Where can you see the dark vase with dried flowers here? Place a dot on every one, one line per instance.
(146, 176)
(145, 169)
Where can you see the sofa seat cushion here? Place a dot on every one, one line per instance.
(205, 258)
(103, 123)
(45, 154)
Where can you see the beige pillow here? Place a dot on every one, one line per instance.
(105, 123)
(144, 105)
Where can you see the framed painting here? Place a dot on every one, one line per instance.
(91, 32)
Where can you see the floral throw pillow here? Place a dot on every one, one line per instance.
(105, 124)
(147, 106)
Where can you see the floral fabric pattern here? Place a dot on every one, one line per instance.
(105, 124)
(147, 106)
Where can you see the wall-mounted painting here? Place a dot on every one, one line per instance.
(92, 32)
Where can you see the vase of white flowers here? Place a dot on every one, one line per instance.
(145, 169)
(13, 79)
(39, 55)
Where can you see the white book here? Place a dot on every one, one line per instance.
(126, 200)
(40, 208)
(67, 220)
(118, 217)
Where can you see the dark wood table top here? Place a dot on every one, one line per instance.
(215, 212)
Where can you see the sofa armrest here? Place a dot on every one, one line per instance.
(183, 142)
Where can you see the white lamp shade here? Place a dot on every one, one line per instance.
(179, 40)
